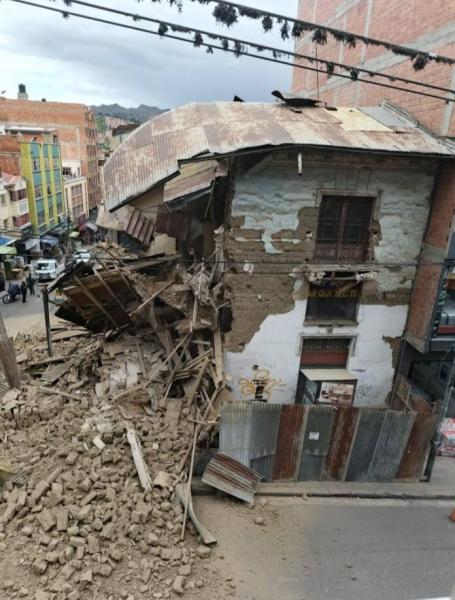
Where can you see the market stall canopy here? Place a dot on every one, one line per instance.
(7, 250)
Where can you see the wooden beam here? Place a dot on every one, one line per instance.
(95, 301)
(8, 357)
(110, 291)
(47, 320)
(141, 466)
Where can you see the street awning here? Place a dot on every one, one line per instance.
(88, 225)
(8, 250)
(74, 234)
(49, 240)
(329, 375)
(5, 240)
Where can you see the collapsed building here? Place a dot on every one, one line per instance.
(321, 213)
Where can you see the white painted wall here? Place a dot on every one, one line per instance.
(276, 348)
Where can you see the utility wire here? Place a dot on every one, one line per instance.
(338, 34)
(330, 64)
(236, 51)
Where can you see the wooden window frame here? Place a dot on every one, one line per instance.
(344, 251)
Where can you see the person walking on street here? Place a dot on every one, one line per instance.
(24, 291)
(30, 284)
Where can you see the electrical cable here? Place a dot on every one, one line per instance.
(330, 63)
(237, 51)
(338, 34)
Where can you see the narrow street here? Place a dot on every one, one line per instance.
(22, 317)
(331, 549)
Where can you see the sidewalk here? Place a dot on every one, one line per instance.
(441, 487)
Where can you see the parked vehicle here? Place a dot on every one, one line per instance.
(47, 269)
(83, 256)
(12, 293)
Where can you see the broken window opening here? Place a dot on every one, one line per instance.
(332, 301)
(343, 227)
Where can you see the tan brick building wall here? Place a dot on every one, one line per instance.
(75, 127)
(422, 24)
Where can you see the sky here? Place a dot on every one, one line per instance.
(75, 60)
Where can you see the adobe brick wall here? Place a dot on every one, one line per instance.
(75, 128)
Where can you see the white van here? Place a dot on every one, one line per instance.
(47, 269)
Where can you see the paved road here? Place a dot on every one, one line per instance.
(332, 549)
(26, 317)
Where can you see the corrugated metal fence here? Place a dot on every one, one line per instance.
(304, 443)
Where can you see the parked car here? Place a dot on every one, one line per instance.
(83, 256)
(47, 269)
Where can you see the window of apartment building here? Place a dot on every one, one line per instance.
(343, 226)
(21, 194)
(46, 163)
(3, 200)
(332, 300)
(38, 191)
(76, 191)
(5, 223)
(36, 164)
(41, 217)
(325, 351)
(22, 220)
(58, 185)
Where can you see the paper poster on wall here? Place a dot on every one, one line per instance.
(338, 394)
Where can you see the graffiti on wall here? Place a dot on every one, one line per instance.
(260, 385)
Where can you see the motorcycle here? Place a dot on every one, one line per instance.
(12, 293)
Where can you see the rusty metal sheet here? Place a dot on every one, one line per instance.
(390, 446)
(235, 430)
(340, 444)
(176, 225)
(363, 447)
(416, 451)
(264, 429)
(152, 153)
(316, 442)
(228, 475)
(264, 466)
(289, 432)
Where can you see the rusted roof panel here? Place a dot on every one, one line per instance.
(150, 155)
(228, 475)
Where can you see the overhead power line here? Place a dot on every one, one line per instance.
(330, 65)
(237, 50)
(227, 12)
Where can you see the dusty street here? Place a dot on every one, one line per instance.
(332, 549)
(26, 317)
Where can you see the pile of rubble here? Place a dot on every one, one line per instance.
(100, 434)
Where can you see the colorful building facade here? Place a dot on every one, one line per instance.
(41, 165)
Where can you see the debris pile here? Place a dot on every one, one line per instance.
(101, 434)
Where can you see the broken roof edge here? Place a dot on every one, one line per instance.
(344, 149)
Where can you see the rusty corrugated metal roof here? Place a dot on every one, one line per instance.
(194, 178)
(152, 153)
(228, 475)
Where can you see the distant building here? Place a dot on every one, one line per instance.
(73, 124)
(39, 162)
(76, 198)
(14, 210)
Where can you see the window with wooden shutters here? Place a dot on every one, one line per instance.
(343, 226)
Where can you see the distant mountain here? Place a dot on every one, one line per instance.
(140, 114)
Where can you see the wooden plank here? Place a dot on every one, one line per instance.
(141, 467)
(197, 382)
(67, 335)
(54, 374)
(110, 290)
(8, 358)
(95, 301)
(218, 346)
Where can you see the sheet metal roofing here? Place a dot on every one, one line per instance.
(152, 153)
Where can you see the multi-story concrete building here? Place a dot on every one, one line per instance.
(76, 198)
(14, 210)
(39, 163)
(430, 27)
(74, 125)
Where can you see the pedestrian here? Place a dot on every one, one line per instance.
(30, 281)
(24, 291)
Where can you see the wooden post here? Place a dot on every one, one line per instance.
(47, 320)
(8, 358)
